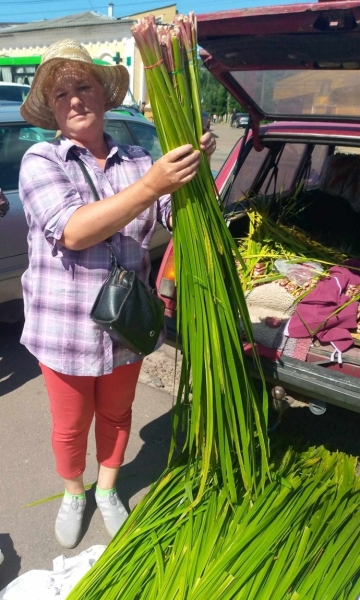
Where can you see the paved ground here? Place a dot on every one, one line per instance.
(27, 466)
(226, 137)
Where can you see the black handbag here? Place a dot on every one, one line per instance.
(124, 306)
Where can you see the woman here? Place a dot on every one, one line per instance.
(86, 372)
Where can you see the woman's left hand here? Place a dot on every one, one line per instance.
(208, 144)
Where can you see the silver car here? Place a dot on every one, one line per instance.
(16, 136)
(13, 92)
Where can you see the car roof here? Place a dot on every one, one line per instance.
(12, 84)
(10, 113)
(113, 115)
(299, 61)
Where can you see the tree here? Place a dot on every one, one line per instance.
(214, 97)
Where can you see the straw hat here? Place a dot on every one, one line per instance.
(35, 109)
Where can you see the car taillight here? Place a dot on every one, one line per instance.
(165, 282)
(167, 286)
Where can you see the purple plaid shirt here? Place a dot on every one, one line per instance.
(60, 285)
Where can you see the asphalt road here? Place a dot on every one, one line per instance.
(226, 138)
(26, 461)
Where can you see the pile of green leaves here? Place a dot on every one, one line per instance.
(270, 237)
(299, 540)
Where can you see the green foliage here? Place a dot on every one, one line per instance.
(214, 97)
(298, 541)
(271, 236)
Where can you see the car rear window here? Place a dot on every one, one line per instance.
(119, 132)
(283, 170)
(251, 168)
(293, 92)
(147, 138)
(14, 92)
(15, 140)
(276, 169)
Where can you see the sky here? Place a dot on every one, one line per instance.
(36, 10)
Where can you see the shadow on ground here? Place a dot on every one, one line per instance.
(10, 568)
(17, 365)
(337, 429)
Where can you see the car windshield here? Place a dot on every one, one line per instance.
(148, 138)
(136, 133)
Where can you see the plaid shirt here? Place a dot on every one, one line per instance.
(60, 285)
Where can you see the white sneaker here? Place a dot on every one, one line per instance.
(69, 521)
(113, 511)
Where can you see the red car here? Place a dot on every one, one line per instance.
(297, 67)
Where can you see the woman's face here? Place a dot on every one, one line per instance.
(77, 100)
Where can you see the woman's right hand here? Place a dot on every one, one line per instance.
(172, 170)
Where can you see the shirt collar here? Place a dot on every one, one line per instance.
(65, 145)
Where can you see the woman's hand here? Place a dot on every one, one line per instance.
(178, 166)
(172, 170)
(208, 144)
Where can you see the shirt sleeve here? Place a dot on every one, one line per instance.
(48, 196)
(164, 210)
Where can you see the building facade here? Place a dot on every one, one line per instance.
(106, 38)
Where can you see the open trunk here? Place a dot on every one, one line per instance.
(312, 189)
(319, 167)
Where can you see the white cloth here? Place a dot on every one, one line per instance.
(56, 584)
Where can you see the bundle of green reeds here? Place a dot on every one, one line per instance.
(227, 416)
(226, 429)
(299, 540)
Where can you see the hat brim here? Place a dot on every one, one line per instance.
(35, 109)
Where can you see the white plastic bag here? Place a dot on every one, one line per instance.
(56, 584)
(300, 273)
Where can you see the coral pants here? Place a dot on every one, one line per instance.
(74, 400)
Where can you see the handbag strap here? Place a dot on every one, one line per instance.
(87, 177)
(97, 197)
